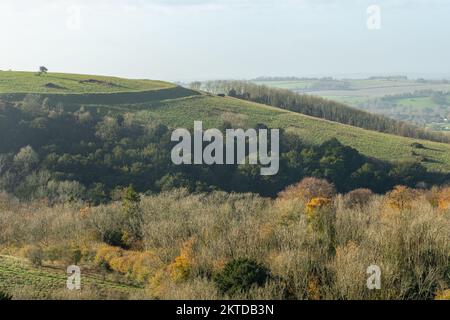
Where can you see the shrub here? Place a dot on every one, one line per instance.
(443, 295)
(133, 226)
(181, 267)
(114, 238)
(84, 212)
(313, 291)
(105, 254)
(53, 253)
(136, 265)
(433, 195)
(316, 204)
(402, 197)
(321, 217)
(357, 198)
(241, 275)
(35, 255)
(308, 189)
(444, 199)
(75, 255)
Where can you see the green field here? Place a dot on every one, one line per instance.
(358, 89)
(384, 96)
(17, 275)
(29, 82)
(290, 85)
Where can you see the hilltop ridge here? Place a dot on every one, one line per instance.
(64, 83)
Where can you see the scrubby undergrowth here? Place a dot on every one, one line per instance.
(184, 246)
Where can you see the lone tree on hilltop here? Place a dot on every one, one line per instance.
(42, 70)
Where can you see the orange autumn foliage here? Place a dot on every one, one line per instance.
(181, 268)
(443, 295)
(308, 189)
(316, 204)
(313, 290)
(401, 197)
(84, 212)
(444, 199)
(135, 264)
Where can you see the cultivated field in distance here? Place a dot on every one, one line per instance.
(424, 102)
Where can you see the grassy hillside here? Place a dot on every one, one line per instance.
(179, 107)
(73, 90)
(19, 277)
(214, 110)
(30, 82)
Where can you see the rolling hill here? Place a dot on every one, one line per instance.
(183, 112)
(175, 106)
(30, 82)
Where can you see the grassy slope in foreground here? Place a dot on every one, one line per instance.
(213, 110)
(30, 82)
(17, 275)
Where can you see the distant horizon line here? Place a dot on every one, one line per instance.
(337, 76)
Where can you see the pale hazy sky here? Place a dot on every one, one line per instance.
(208, 39)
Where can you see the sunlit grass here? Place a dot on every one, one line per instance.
(19, 82)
